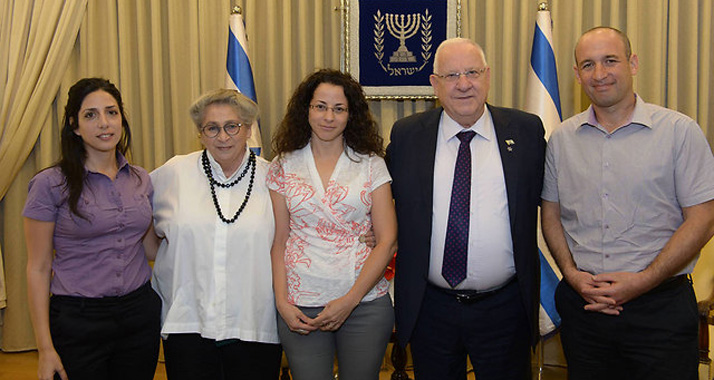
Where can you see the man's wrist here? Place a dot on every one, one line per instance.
(570, 273)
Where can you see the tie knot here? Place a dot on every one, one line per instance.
(466, 136)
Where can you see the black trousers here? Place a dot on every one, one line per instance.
(654, 337)
(192, 357)
(113, 338)
(492, 331)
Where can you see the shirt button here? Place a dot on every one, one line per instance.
(120, 209)
(607, 226)
(121, 225)
(118, 274)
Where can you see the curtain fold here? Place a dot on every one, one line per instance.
(40, 40)
(37, 38)
(163, 53)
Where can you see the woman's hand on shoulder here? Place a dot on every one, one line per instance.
(296, 320)
(50, 363)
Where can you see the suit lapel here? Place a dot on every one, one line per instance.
(425, 152)
(507, 136)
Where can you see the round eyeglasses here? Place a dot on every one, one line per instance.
(212, 130)
(321, 108)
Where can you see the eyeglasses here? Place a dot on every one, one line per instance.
(321, 108)
(469, 74)
(213, 130)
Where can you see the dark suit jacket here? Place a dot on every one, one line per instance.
(410, 159)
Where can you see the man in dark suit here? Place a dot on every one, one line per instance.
(467, 272)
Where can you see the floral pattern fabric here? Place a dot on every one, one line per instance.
(323, 254)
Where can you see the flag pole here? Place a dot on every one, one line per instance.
(542, 6)
(543, 99)
(239, 74)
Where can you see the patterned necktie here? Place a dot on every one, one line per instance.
(457, 231)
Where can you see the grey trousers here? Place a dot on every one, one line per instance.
(360, 344)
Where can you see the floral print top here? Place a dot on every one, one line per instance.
(323, 254)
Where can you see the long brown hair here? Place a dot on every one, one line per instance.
(361, 133)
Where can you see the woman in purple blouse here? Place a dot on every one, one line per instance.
(85, 219)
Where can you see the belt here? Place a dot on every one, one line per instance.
(466, 296)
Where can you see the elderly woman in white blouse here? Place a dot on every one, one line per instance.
(214, 218)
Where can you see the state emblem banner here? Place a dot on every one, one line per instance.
(389, 46)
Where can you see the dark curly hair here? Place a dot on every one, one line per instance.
(73, 152)
(361, 133)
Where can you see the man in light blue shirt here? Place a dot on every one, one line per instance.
(628, 203)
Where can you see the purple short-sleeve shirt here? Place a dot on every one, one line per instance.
(101, 255)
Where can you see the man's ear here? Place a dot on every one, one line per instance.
(577, 74)
(432, 80)
(634, 64)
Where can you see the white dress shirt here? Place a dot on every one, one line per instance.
(490, 250)
(214, 278)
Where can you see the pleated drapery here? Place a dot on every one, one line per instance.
(36, 38)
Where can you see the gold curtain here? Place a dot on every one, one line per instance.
(36, 38)
(164, 53)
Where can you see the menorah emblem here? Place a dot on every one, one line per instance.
(402, 30)
(403, 27)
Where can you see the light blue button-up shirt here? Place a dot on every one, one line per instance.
(621, 194)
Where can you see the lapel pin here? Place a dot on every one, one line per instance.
(510, 143)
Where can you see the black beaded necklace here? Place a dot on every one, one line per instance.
(207, 169)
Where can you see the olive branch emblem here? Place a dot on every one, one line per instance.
(425, 37)
(379, 36)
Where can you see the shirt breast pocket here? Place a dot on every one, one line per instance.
(143, 205)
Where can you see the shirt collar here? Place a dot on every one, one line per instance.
(121, 161)
(122, 164)
(482, 126)
(639, 116)
(217, 170)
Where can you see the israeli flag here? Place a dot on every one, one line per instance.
(239, 74)
(543, 99)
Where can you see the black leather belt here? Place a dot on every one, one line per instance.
(471, 296)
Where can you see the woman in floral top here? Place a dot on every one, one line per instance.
(329, 185)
